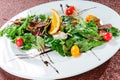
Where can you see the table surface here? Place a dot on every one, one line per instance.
(110, 70)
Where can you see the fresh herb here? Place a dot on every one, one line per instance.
(115, 32)
(33, 32)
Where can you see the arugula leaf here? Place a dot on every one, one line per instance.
(1, 33)
(29, 39)
(48, 40)
(88, 32)
(82, 22)
(43, 17)
(86, 45)
(23, 26)
(27, 46)
(68, 28)
(69, 42)
(67, 19)
(115, 32)
(40, 43)
(46, 28)
(91, 24)
(56, 45)
(10, 31)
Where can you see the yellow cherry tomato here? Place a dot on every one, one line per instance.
(93, 18)
(75, 51)
(90, 17)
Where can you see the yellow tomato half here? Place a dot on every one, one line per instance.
(75, 51)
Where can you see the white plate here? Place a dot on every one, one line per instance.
(67, 67)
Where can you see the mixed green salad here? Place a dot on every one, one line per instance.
(74, 36)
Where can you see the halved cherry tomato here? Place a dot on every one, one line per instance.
(107, 36)
(70, 10)
(75, 51)
(19, 42)
(93, 18)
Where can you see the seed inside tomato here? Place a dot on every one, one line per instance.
(19, 42)
(107, 36)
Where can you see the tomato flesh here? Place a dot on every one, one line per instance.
(75, 51)
(107, 36)
(19, 42)
(70, 10)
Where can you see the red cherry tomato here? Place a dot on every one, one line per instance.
(70, 10)
(19, 42)
(107, 36)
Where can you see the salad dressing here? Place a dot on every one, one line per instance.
(48, 63)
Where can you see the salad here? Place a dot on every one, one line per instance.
(68, 34)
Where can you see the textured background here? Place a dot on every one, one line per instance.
(107, 71)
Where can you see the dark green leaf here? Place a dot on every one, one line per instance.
(56, 45)
(67, 19)
(27, 46)
(115, 32)
(86, 45)
(23, 26)
(43, 17)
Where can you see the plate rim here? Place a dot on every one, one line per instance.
(9, 71)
